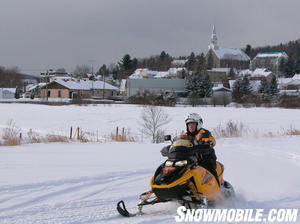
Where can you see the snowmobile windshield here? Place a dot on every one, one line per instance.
(181, 149)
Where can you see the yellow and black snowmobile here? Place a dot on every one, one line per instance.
(183, 179)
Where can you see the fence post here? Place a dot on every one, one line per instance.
(77, 133)
(117, 133)
(71, 133)
(122, 134)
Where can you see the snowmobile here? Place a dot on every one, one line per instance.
(181, 178)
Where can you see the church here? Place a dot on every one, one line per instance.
(221, 57)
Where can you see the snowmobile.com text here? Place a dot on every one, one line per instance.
(236, 215)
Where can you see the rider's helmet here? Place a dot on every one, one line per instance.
(194, 118)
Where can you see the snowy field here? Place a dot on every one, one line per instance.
(82, 182)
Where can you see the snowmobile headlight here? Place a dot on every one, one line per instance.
(181, 163)
(169, 163)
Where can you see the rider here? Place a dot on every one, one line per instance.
(202, 137)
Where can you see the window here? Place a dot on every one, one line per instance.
(59, 93)
(49, 93)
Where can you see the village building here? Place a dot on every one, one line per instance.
(270, 60)
(221, 57)
(78, 89)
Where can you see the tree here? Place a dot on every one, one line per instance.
(248, 50)
(190, 64)
(103, 70)
(210, 60)
(81, 70)
(163, 55)
(273, 89)
(241, 90)
(198, 86)
(264, 88)
(126, 62)
(17, 93)
(200, 68)
(154, 118)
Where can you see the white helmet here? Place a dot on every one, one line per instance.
(194, 118)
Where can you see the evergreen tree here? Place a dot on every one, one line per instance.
(17, 93)
(199, 86)
(210, 60)
(163, 55)
(289, 68)
(200, 68)
(241, 90)
(103, 70)
(190, 64)
(248, 50)
(126, 62)
(273, 89)
(264, 88)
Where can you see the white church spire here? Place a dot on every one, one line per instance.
(213, 40)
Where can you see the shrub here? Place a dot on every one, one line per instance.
(289, 101)
(150, 98)
(231, 129)
(56, 138)
(11, 134)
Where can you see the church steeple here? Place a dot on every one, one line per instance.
(213, 40)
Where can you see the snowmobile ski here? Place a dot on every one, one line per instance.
(124, 212)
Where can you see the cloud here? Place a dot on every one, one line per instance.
(42, 34)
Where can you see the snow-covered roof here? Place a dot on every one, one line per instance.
(231, 54)
(296, 77)
(245, 72)
(39, 85)
(85, 85)
(227, 70)
(144, 73)
(141, 73)
(179, 62)
(271, 55)
(261, 72)
(282, 81)
(221, 88)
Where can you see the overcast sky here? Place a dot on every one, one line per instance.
(37, 35)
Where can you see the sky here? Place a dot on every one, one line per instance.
(37, 35)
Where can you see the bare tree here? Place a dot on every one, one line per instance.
(154, 118)
(81, 70)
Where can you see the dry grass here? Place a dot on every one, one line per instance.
(229, 130)
(34, 137)
(56, 138)
(292, 131)
(11, 134)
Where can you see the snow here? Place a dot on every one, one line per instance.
(82, 182)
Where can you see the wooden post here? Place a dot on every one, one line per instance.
(71, 132)
(77, 133)
(122, 134)
(117, 132)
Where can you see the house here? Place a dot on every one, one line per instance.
(270, 60)
(291, 83)
(259, 73)
(220, 74)
(221, 95)
(76, 89)
(221, 57)
(7, 93)
(133, 86)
